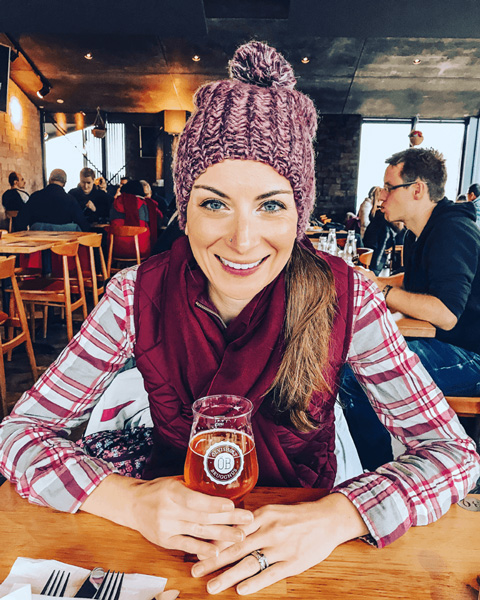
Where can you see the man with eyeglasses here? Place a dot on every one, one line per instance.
(441, 285)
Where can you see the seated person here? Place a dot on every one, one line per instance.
(131, 208)
(441, 285)
(243, 304)
(14, 199)
(52, 208)
(94, 202)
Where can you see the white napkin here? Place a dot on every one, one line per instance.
(36, 572)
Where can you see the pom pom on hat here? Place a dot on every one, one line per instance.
(256, 115)
(261, 65)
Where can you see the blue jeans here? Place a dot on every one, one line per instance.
(456, 372)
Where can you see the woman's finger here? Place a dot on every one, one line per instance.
(230, 555)
(191, 545)
(212, 532)
(234, 517)
(269, 576)
(245, 569)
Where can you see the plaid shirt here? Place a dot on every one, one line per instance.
(438, 468)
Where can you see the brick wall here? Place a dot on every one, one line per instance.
(337, 159)
(20, 145)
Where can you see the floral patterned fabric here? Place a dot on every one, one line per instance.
(127, 449)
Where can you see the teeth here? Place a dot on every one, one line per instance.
(238, 266)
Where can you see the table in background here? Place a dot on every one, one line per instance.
(439, 561)
(410, 327)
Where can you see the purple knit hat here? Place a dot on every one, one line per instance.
(255, 115)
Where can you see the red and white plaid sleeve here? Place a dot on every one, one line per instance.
(440, 464)
(35, 453)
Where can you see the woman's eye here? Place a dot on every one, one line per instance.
(213, 204)
(272, 206)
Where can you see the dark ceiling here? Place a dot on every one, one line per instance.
(361, 52)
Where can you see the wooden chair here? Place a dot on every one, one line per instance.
(365, 257)
(58, 292)
(10, 215)
(16, 319)
(123, 231)
(93, 280)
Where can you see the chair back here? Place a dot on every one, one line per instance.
(91, 279)
(365, 256)
(11, 214)
(124, 231)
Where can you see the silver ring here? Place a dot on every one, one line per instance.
(262, 559)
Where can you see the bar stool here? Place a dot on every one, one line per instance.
(15, 319)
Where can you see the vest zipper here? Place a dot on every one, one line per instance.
(211, 312)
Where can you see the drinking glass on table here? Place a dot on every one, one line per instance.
(221, 457)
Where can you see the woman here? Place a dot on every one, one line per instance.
(131, 208)
(368, 208)
(242, 304)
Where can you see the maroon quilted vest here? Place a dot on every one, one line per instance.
(286, 457)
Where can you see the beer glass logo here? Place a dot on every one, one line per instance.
(223, 462)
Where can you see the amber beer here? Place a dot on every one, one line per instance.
(221, 458)
(222, 463)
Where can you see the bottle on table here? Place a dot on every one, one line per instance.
(350, 249)
(332, 242)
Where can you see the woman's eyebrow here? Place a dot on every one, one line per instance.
(274, 193)
(211, 189)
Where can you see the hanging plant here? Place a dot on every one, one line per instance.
(99, 128)
(416, 137)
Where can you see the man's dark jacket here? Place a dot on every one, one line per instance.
(101, 200)
(445, 262)
(51, 205)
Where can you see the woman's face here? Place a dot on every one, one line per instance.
(241, 224)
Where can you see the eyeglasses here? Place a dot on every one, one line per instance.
(390, 188)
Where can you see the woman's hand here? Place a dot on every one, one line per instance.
(168, 513)
(292, 538)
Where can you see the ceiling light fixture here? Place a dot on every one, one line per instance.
(305, 60)
(416, 61)
(60, 101)
(195, 58)
(44, 91)
(88, 56)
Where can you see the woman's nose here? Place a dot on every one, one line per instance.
(244, 234)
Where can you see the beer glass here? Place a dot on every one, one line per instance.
(221, 458)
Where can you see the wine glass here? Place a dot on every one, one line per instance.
(221, 457)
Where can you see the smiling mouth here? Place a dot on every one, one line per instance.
(240, 266)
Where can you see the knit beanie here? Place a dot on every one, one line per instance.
(255, 115)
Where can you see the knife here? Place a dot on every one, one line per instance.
(91, 584)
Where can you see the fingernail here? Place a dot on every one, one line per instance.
(213, 586)
(228, 506)
(198, 570)
(239, 535)
(248, 518)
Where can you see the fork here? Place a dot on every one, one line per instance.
(110, 587)
(56, 584)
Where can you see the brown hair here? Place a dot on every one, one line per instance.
(311, 303)
(87, 172)
(425, 164)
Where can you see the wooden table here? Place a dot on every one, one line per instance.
(52, 237)
(411, 327)
(438, 562)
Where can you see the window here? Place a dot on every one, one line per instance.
(78, 149)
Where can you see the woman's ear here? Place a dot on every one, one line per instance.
(186, 229)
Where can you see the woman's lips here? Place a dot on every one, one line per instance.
(240, 269)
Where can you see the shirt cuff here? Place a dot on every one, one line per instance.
(382, 506)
